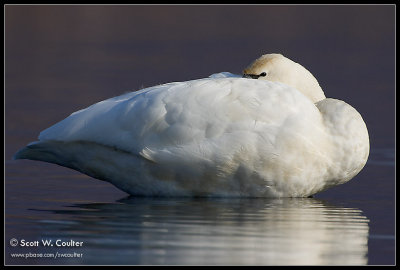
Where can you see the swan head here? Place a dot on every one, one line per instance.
(277, 68)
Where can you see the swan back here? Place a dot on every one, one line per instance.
(229, 136)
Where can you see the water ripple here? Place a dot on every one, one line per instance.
(213, 232)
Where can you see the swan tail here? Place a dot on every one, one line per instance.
(48, 151)
(132, 173)
(69, 154)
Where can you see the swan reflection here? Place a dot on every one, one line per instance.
(214, 231)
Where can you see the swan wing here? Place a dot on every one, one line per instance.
(205, 121)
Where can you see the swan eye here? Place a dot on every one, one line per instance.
(254, 76)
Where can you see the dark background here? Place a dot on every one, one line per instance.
(59, 59)
(62, 58)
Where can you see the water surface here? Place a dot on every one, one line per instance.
(201, 231)
(59, 59)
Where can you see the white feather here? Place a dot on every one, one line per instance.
(219, 136)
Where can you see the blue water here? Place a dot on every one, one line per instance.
(60, 59)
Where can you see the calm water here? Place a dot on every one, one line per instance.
(60, 59)
(180, 231)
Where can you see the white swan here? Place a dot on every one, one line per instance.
(270, 134)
